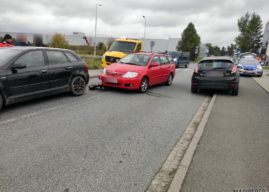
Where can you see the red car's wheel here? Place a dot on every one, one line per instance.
(144, 85)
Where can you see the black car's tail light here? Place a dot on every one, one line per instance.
(234, 69)
(85, 68)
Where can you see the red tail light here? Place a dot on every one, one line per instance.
(234, 68)
(85, 68)
(196, 69)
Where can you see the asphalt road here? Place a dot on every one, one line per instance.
(102, 141)
(233, 151)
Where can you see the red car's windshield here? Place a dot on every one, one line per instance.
(135, 59)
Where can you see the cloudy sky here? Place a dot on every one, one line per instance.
(215, 20)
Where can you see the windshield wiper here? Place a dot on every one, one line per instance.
(132, 64)
(220, 68)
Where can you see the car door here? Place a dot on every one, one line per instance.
(155, 71)
(30, 77)
(60, 68)
(165, 68)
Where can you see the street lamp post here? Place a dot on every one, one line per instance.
(95, 31)
(145, 26)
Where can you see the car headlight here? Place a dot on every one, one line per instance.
(130, 75)
(104, 71)
(175, 59)
(259, 67)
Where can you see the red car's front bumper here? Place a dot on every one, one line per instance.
(120, 82)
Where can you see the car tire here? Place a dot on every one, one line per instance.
(144, 85)
(186, 66)
(194, 90)
(169, 80)
(235, 92)
(260, 75)
(77, 85)
(1, 102)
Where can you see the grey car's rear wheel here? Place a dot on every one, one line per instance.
(144, 85)
(77, 85)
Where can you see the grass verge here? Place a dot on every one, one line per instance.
(93, 62)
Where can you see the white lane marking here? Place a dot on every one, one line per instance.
(183, 70)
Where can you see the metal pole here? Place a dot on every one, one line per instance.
(145, 26)
(95, 30)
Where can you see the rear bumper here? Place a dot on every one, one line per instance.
(120, 82)
(223, 84)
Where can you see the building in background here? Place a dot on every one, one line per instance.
(80, 39)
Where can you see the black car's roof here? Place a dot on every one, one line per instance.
(217, 58)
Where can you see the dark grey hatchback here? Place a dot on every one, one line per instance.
(217, 73)
(31, 72)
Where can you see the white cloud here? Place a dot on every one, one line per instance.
(215, 21)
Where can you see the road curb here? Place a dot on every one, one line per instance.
(266, 90)
(178, 180)
(163, 179)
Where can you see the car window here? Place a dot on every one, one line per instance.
(135, 59)
(71, 57)
(215, 64)
(138, 48)
(170, 58)
(164, 60)
(31, 59)
(156, 59)
(7, 55)
(56, 57)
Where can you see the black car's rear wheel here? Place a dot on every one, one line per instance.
(194, 90)
(235, 91)
(1, 101)
(169, 80)
(77, 85)
(144, 85)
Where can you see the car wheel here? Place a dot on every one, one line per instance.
(260, 75)
(78, 85)
(193, 90)
(186, 66)
(144, 85)
(235, 91)
(1, 101)
(169, 80)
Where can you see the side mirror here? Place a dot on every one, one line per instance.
(18, 66)
(154, 64)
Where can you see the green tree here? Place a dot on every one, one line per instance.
(213, 50)
(250, 38)
(190, 41)
(58, 41)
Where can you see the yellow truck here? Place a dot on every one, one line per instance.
(120, 48)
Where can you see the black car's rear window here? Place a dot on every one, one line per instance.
(7, 54)
(215, 64)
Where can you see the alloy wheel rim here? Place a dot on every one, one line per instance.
(144, 85)
(78, 85)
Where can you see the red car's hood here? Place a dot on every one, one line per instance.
(124, 68)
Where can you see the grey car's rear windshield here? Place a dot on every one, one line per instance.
(215, 64)
(7, 54)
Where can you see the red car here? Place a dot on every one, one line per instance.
(138, 71)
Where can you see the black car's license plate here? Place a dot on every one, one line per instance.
(214, 74)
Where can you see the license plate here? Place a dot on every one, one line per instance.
(111, 80)
(214, 74)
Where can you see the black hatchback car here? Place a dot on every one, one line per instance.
(216, 73)
(31, 72)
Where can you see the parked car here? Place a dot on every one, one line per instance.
(181, 59)
(138, 71)
(216, 73)
(250, 67)
(29, 72)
